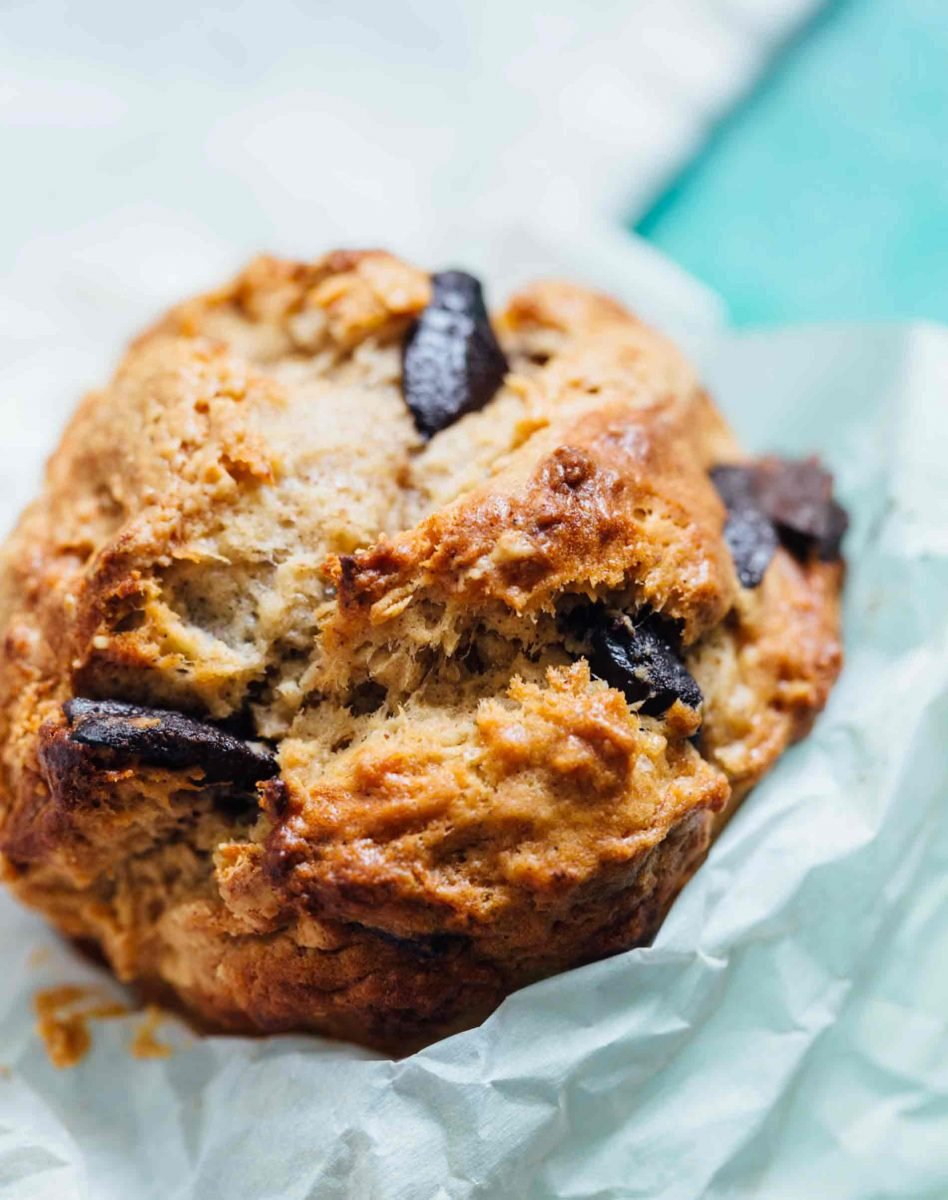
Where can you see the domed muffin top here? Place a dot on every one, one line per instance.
(394, 627)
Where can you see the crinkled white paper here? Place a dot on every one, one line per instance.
(786, 1036)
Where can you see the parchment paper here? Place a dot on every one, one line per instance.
(786, 1034)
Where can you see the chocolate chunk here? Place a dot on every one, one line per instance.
(735, 485)
(830, 545)
(790, 499)
(752, 540)
(640, 659)
(798, 498)
(156, 737)
(749, 533)
(452, 363)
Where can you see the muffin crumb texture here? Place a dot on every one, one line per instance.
(365, 658)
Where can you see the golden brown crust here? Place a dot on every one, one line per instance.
(604, 486)
(246, 526)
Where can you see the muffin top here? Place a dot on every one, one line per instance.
(353, 625)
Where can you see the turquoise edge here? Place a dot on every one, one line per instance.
(824, 196)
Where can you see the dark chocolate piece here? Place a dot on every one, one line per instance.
(798, 498)
(749, 533)
(157, 737)
(752, 540)
(794, 498)
(452, 363)
(830, 545)
(640, 659)
(735, 485)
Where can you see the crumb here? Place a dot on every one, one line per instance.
(39, 956)
(62, 1020)
(145, 1044)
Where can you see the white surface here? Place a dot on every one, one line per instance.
(785, 1037)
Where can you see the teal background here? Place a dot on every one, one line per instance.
(825, 194)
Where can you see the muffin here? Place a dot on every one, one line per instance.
(365, 658)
